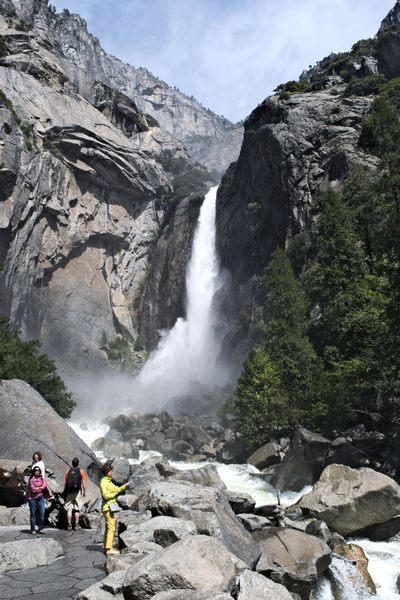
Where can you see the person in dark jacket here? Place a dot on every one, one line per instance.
(74, 492)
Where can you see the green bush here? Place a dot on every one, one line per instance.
(20, 360)
(364, 87)
(365, 47)
(293, 87)
(380, 131)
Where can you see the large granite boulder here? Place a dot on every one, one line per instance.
(14, 516)
(161, 530)
(109, 588)
(211, 513)
(292, 558)
(265, 456)
(303, 463)
(27, 554)
(191, 595)
(352, 499)
(196, 563)
(253, 586)
(29, 423)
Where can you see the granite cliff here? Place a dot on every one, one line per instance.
(98, 162)
(297, 143)
(103, 168)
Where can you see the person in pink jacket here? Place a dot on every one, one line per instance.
(36, 487)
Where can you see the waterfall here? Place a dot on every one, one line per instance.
(185, 361)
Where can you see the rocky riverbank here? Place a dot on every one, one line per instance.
(183, 534)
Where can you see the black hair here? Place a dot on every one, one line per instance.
(75, 462)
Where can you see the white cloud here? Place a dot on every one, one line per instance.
(230, 54)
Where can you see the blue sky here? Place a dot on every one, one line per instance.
(228, 54)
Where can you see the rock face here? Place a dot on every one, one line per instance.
(295, 145)
(352, 499)
(90, 153)
(28, 418)
(291, 149)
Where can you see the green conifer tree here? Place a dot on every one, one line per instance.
(260, 402)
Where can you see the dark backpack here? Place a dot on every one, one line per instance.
(73, 482)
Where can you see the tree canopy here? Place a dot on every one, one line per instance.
(21, 360)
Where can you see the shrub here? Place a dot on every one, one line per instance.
(294, 87)
(20, 360)
(364, 87)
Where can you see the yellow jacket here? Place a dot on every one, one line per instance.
(109, 491)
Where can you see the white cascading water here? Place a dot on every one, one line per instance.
(186, 357)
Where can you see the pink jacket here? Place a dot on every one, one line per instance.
(35, 487)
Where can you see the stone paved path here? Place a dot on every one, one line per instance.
(81, 566)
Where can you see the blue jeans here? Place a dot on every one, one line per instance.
(37, 508)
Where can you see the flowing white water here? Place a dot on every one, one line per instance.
(183, 372)
(383, 566)
(186, 357)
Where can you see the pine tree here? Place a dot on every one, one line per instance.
(284, 335)
(260, 401)
(349, 322)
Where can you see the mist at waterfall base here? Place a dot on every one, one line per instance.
(184, 373)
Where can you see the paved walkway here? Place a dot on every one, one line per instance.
(81, 566)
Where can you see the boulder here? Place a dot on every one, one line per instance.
(161, 530)
(108, 589)
(121, 470)
(253, 586)
(207, 476)
(129, 502)
(14, 516)
(265, 456)
(143, 477)
(130, 518)
(303, 463)
(210, 512)
(240, 502)
(112, 449)
(196, 563)
(383, 532)
(292, 558)
(352, 499)
(130, 556)
(191, 595)
(29, 423)
(253, 522)
(356, 556)
(27, 554)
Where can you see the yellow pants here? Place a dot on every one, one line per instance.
(109, 531)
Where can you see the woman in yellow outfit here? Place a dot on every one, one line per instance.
(109, 493)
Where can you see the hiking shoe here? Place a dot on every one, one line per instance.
(112, 551)
(69, 527)
(33, 532)
(77, 527)
(42, 532)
